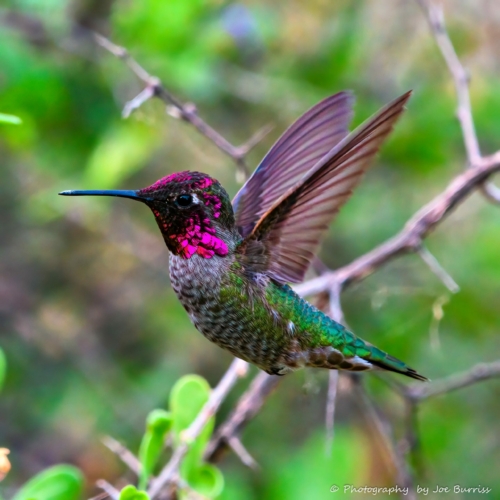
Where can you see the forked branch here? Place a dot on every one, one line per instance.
(178, 109)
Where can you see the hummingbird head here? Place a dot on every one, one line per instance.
(192, 210)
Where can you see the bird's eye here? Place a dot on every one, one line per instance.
(184, 200)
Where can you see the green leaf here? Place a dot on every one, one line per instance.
(206, 480)
(187, 398)
(158, 424)
(61, 482)
(132, 493)
(13, 120)
(3, 368)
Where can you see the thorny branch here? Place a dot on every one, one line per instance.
(178, 109)
(435, 17)
(247, 407)
(126, 456)
(409, 239)
(110, 490)
(479, 372)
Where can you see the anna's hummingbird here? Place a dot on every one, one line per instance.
(230, 263)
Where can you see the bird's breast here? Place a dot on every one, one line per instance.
(228, 308)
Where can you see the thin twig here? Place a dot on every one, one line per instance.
(435, 17)
(335, 306)
(331, 398)
(438, 270)
(123, 453)
(111, 491)
(237, 370)
(478, 373)
(247, 407)
(256, 138)
(238, 448)
(333, 377)
(410, 238)
(137, 101)
(187, 112)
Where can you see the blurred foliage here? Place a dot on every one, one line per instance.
(187, 398)
(61, 482)
(3, 368)
(94, 335)
(131, 493)
(158, 425)
(13, 120)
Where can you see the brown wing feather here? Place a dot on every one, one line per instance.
(291, 229)
(294, 154)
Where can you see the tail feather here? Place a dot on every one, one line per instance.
(340, 349)
(355, 357)
(390, 363)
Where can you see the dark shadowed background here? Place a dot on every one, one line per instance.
(94, 335)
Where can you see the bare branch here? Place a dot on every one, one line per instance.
(435, 17)
(331, 399)
(237, 446)
(255, 139)
(491, 192)
(247, 407)
(410, 238)
(478, 373)
(110, 490)
(123, 54)
(335, 306)
(137, 101)
(154, 88)
(237, 370)
(337, 314)
(123, 453)
(438, 270)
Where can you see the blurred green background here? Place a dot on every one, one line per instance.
(93, 334)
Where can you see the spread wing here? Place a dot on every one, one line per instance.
(286, 237)
(294, 154)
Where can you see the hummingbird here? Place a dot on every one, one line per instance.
(231, 263)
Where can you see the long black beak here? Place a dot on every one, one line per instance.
(134, 195)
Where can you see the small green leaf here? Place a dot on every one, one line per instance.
(206, 480)
(3, 368)
(159, 421)
(158, 424)
(132, 493)
(187, 398)
(13, 120)
(61, 482)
